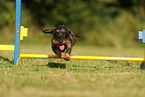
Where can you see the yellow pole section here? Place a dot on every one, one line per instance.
(7, 47)
(83, 57)
(37, 56)
(108, 58)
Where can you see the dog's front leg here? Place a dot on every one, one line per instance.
(60, 54)
(66, 56)
(67, 52)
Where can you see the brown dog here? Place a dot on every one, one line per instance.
(62, 42)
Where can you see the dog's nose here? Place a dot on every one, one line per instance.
(60, 41)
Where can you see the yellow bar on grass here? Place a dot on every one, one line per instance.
(84, 57)
(7, 47)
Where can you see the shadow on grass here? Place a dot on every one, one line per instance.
(56, 65)
(6, 59)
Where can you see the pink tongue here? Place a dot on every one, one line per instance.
(61, 47)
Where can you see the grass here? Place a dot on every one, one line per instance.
(76, 78)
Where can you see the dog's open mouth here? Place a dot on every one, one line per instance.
(62, 47)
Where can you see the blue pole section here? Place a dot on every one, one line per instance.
(17, 31)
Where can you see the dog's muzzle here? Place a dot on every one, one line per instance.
(60, 40)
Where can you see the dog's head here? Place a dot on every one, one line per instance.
(60, 33)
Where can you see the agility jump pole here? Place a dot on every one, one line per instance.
(17, 32)
(83, 57)
(17, 54)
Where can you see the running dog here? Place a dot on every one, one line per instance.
(62, 42)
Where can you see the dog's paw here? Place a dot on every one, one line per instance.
(67, 57)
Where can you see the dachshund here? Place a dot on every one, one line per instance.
(62, 42)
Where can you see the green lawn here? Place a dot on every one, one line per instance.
(76, 78)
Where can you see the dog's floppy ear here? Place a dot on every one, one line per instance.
(77, 36)
(73, 34)
(47, 31)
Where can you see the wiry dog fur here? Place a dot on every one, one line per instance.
(62, 42)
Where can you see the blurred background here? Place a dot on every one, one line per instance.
(113, 23)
